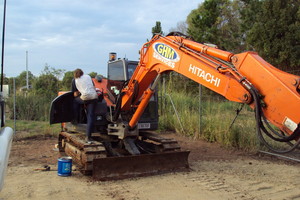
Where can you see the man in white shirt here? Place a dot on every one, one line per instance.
(85, 93)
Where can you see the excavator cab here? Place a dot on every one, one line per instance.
(120, 72)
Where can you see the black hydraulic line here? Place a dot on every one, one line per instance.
(261, 120)
(293, 147)
(135, 91)
(119, 103)
(260, 126)
(282, 137)
(118, 106)
(120, 96)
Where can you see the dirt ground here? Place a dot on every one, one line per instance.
(216, 173)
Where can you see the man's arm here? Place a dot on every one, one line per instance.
(74, 89)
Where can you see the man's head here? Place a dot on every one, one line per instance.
(78, 73)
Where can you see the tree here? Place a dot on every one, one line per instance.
(157, 29)
(228, 23)
(249, 14)
(274, 31)
(93, 74)
(67, 80)
(58, 73)
(216, 22)
(180, 27)
(46, 85)
(202, 21)
(5, 79)
(21, 79)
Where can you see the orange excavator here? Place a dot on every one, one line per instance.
(245, 78)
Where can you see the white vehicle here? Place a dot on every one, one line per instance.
(6, 135)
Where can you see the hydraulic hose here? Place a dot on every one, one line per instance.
(120, 96)
(118, 107)
(135, 91)
(259, 115)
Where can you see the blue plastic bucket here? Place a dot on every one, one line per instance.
(64, 166)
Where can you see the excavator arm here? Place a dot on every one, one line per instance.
(244, 78)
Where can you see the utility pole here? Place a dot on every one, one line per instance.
(2, 66)
(27, 85)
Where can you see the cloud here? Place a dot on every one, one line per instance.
(79, 33)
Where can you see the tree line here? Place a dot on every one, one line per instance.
(48, 83)
(269, 27)
(33, 103)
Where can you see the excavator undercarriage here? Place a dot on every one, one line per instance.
(109, 158)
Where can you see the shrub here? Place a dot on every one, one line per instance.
(30, 107)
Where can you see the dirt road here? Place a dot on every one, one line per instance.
(216, 173)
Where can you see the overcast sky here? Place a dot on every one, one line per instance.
(69, 34)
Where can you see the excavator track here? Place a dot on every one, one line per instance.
(83, 154)
(107, 162)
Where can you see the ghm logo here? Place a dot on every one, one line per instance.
(166, 52)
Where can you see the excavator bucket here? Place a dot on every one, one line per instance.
(115, 168)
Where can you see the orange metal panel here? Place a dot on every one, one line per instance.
(278, 88)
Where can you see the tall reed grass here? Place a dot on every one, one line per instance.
(30, 107)
(213, 123)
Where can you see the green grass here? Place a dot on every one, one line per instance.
(33, 129)
(216, 118)
(217, 115)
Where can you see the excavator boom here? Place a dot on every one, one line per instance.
(244, 78)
